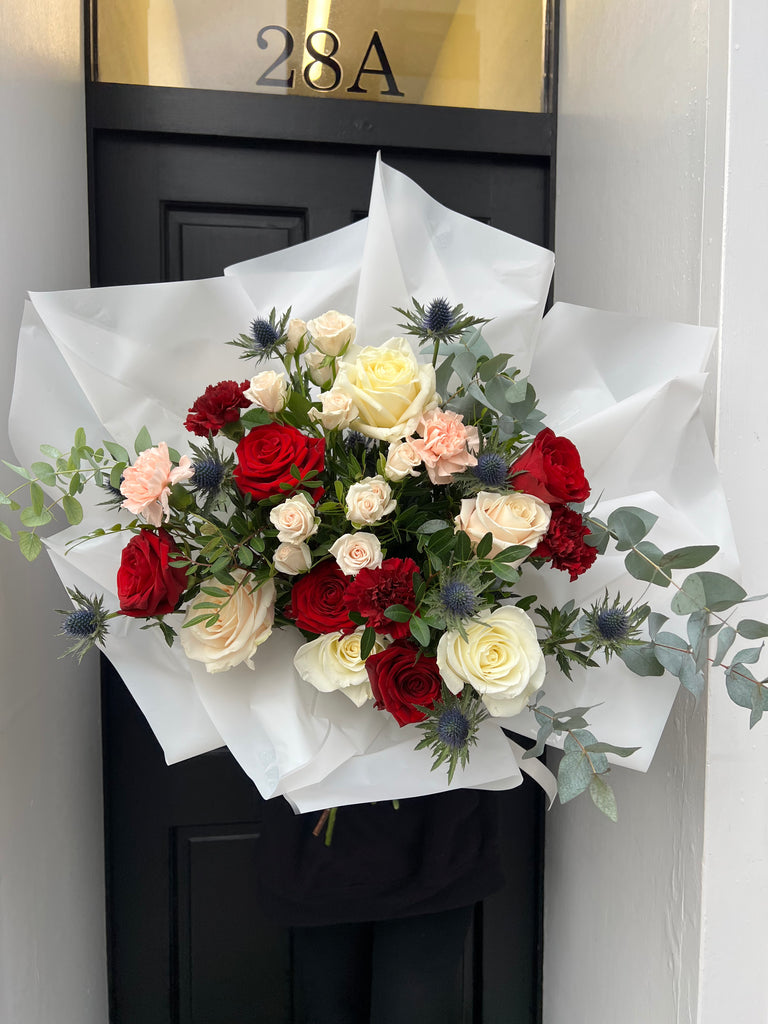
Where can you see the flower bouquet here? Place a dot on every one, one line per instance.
(377, 551)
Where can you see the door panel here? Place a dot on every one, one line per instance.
(187, 942)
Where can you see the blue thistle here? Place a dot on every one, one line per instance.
(612, 623)
(458, 598)
(491, 469)
(610, 626)
(86, 624)
(208, 475)
(438, 317)
(264, 334)
(453, 727)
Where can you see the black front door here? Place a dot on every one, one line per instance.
(183, 184)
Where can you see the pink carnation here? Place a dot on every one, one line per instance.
(147, 483)
(446, 448)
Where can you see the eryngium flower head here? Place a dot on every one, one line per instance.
(438, 321)
(438, 317)
(491, 469)
(450, 728)
(86, 624)
(611, 627)
(458, 598)
(265, 335)
(208, 475)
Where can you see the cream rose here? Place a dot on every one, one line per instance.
(244, 621)
(511, 518)
(333, 662)
(332, 332)
(318, 373)
(338, 410)
(294, 333)
(369, 500)
(268, 390)
(356, 551)
(390, 388)
(500, 658)
(295, 519)
(292, 559)
(402, 459)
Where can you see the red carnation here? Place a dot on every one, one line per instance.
(146, 583)
(318, 600)
(551, 470)
(373, 590)
(564, 544)
(218, 405)
(265, 456)
(402, 676)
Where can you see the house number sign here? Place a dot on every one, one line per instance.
(323, 72)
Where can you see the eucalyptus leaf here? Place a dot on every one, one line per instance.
(45, 472)
(50, 451)
(751, 629)
(670, 649)
(5, 531)
(603, 797)
(709, 590)
(691, 678)
(493, 367)
(747, 657)
(724, 641)
(573, 776)
(464, 365)
(689, 557)
(642, 562)
(30, 545)
(118, 453)
(18, 469)
(80, 439)
(31, 518)
(641, 659)
(630, 525)
(434, 525)
(73, 510)
(655, 621)
(609, 748)
(443, 374)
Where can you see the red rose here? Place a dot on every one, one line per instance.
(551, 470)
(317, 600)
(218, 405)
(564, 543)
(146, 583)
(265, 456)
(373, 590)
(401, 677)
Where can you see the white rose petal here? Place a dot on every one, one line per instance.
(402, 458)
(332, 662)
(294, 333)
(332, 332)
(268, 390)
(356, 551)
(390, 387)
(318, 373)
(292, 559)
(369, 500)
(338, 410)
(501, 659)
(295, 519)
(511, 518)
(244, 621)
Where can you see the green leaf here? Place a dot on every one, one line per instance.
(641, 563)
(691, 678)
(751, 629)
(573, 776)
(609, 748)
(50, 451)
(143, 441)
(464, 365)
(630, 525)
(484, 546)
(255, 418)
(73, 510)
(671, 649)
(116, 473)
(579, 738)
(741, 687)
(642, 660)
(118, 453)
(443, 374)
(398, 613)
(367, 641)
(655, 621)
(513, 553)
(505, 572)
(419, 631)
(493, 367)
(80, 440)
(516, 392)
(689, 557)
(245, 556)
(5, 531)
(37, 497)
(434, 526)
(30, 545)
(707, 590)
(698, 638)
(747, 657)
(18, 469)
(462, 547)
(29, 517)
(603, 797)
(724, 640)
(44, 472)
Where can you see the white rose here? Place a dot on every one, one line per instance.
(294, 333)
(331, 332)
(512, 518)
(402, 457)
(244, 621)
(318, 373)
(390, 388)
(332, 662)
(369, 500)
(356, 551)
(292, 559)
(268, 390)
(501, 658)
(338, 410)
(295, 519)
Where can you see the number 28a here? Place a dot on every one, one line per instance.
(325, 60)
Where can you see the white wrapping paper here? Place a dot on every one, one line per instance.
(626, 391)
